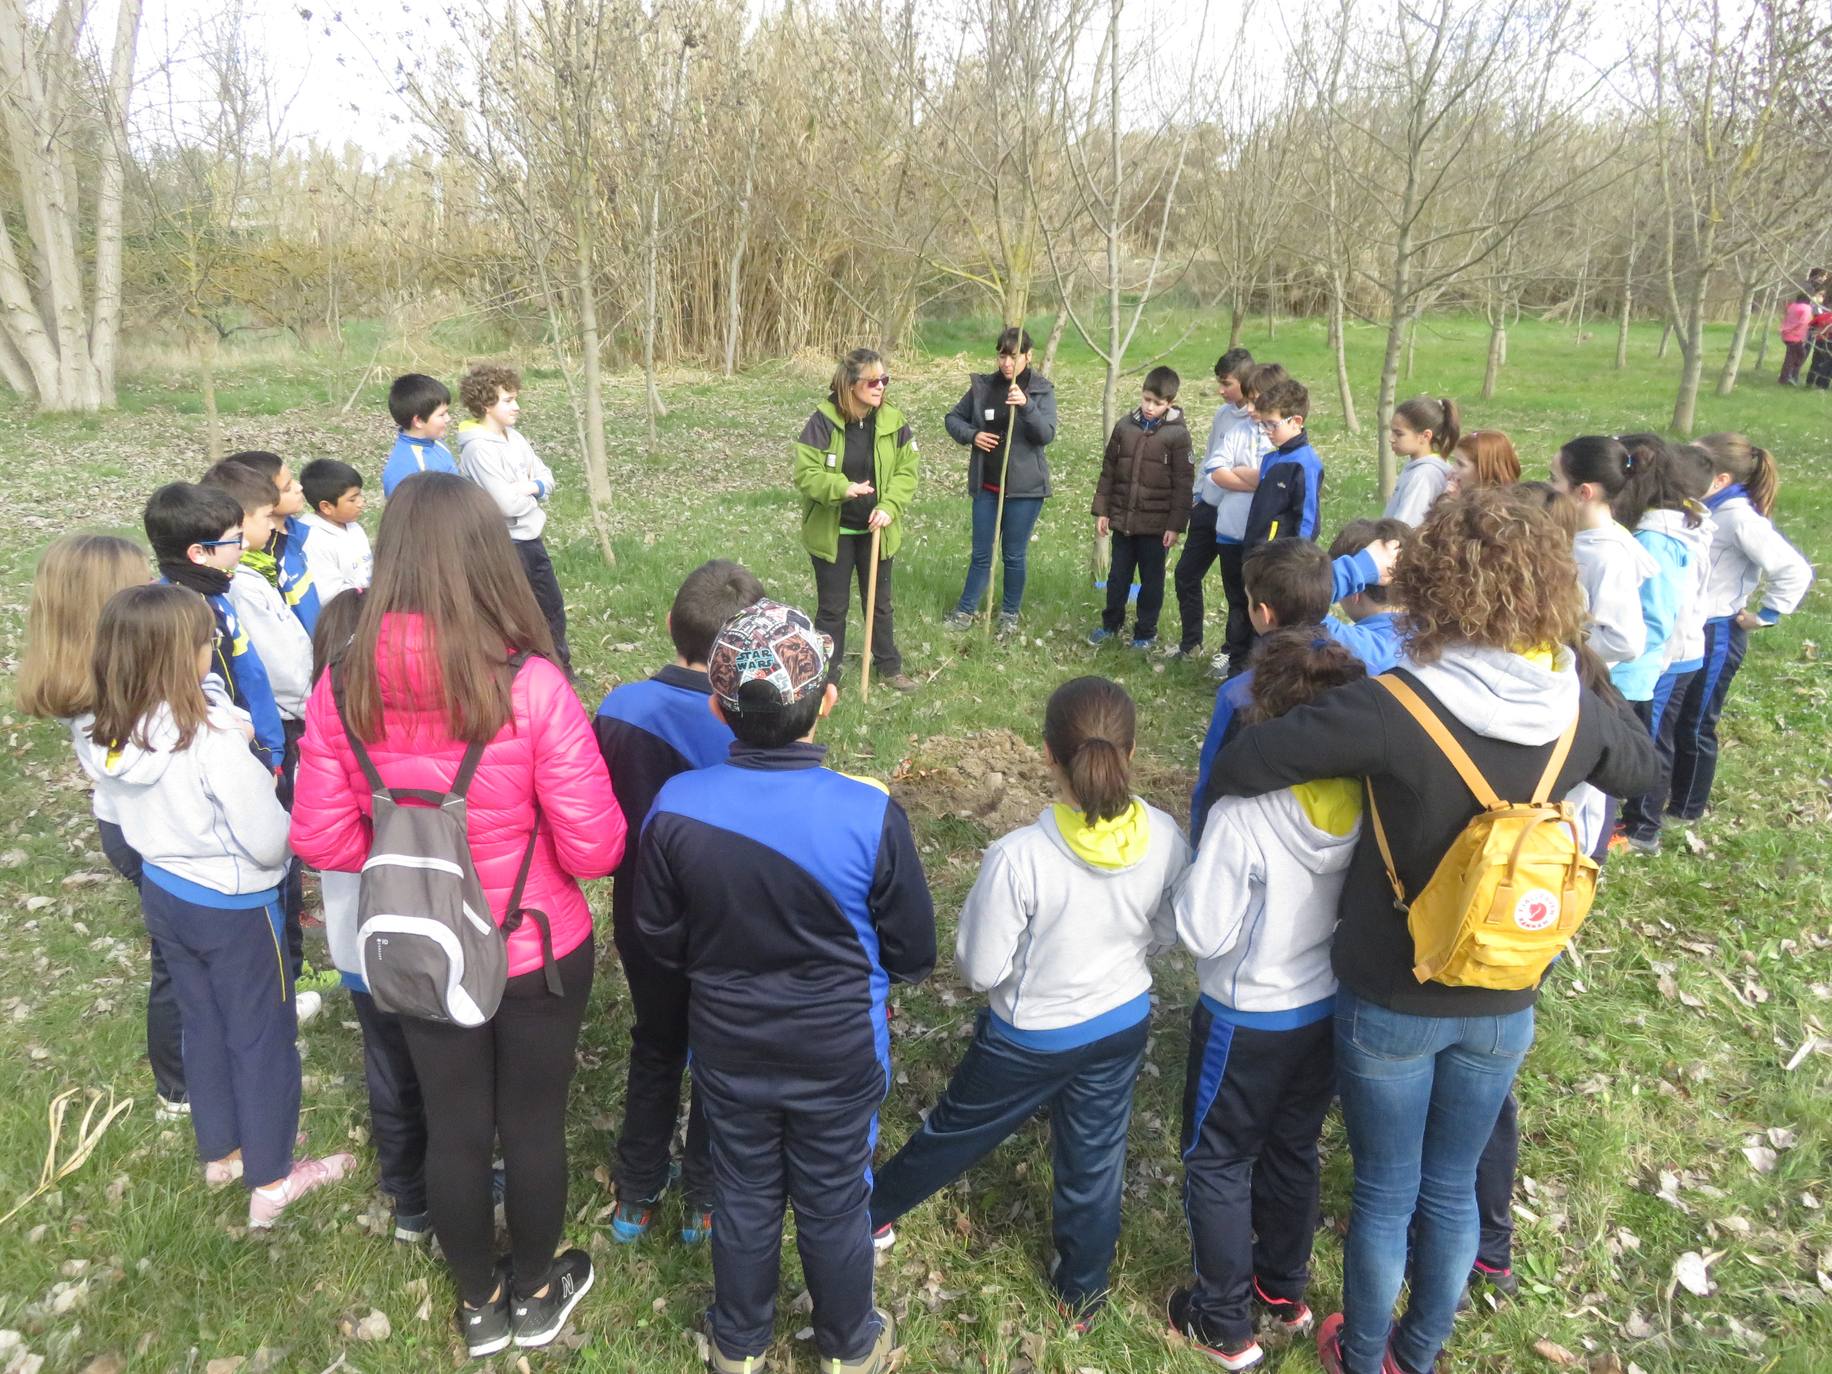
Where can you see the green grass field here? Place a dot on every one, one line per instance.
(1676, 1102)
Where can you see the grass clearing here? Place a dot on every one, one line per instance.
(1650, 1104)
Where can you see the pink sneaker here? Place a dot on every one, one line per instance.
(266, 1204)
(220, 1173)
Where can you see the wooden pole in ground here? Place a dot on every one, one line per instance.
(871, 614)
(998, 515)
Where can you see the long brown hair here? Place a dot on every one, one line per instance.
(1089, 726)
(1437, 414)
(1744, 462)
(146, 644)
(1490, 569)
(75, 578)
(1491, 453)
(443, 555)
(846, 376)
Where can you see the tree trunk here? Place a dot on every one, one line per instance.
(1237, 323)
(1692, 352)
(1055, 340)
(1102, 552)
(1412, 343)
(1767, 313)
(105, 321)
(734, 282)
(1397, 315)
(597, 468)
(1583, 291)
(1733, 360)
(1628, 304)
(206, 384)
(1666, 333)
(1345, 394)
(1272, 324)
(1498, 342)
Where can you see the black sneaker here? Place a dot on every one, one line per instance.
(1503, 1281)
(486, 1329)
(539, 1319)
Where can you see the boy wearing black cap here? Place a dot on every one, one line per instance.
(790, 896)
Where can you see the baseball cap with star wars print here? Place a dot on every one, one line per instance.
(773, 646)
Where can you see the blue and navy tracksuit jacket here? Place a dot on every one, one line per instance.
(1288, 502)
(409, 456)
(235, 661)
(648, 731)
(295, 580)
(791, 896)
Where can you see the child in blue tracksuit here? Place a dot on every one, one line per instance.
(422, 411)
(1057, 930)
(197, 538)
(790, 897)
(212, 838)
(649, 731)
(1259, 912)
(1292, 582)
(1747, 553)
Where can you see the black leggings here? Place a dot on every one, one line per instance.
(508, 1079)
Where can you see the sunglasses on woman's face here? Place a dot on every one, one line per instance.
(885, 380)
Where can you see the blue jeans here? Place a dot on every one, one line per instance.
(1420, 1096)
(1021, 514)
(996, 1088)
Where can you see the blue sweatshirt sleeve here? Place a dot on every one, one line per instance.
(256, 695)
(1211, 746)
(1351, 573)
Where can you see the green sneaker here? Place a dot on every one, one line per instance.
(317, 979)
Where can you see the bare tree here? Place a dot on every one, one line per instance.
(56, 347)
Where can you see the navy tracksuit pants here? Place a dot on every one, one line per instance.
(1642, 816)
(996, 1088)
(1695, 730)
(652, 1095)
(397, 1111)
(1253, 1107)
(241, 1058)
(164, 1023)
(795, 1134)
(1495, 1190)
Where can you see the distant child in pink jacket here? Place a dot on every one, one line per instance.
(425, 674)
(1794, 322)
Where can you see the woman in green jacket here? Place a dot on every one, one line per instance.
(855, 468)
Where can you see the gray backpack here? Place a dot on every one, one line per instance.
(429, 947)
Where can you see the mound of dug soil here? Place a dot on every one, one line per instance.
(998, 781)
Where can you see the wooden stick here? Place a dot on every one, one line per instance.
(998, 515)
(871, 613)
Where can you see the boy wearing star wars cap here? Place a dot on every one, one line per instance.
(790, 896)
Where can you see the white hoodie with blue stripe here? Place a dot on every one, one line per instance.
(1258, 909)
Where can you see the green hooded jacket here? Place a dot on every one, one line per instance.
(819, 453)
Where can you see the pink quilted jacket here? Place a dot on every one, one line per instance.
(547, 750)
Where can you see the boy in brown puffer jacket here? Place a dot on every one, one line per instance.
(1142, 501)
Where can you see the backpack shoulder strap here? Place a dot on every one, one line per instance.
(363, 760)
(1440, 736)
(1560, 752)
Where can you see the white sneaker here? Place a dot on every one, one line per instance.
(308, 1004)
(883, 1238)
(170, 1109)
(1219, 663)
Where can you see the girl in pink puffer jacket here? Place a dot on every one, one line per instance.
(424, 674)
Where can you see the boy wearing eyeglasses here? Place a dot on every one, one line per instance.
(197, 533)
(337, 551)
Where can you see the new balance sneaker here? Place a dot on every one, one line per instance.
(884, 1237)
(266, 1204)
(171, 1108)
(487, 1329)
(1287, 1317)
(958, 620)
(539, 1318)
(696, 1228)
(1229, 1354)
(1100, 634)
(873, 1361)
(413, 1228)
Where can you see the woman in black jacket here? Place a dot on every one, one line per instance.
(1492, 599)
(1016, 400)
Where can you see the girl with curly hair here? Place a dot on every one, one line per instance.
(1492, 600)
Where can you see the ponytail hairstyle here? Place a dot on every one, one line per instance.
(1742, 462)
(1491, 454)
(1437, 415)
(1659, 479)
(1089, 727)
(1597, 459)
(846, 376)
(1294, 666)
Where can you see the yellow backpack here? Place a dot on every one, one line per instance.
(1509, 894)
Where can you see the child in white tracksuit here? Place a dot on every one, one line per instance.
(1258, 910)
(1057, 930)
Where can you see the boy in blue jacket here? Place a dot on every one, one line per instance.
(649, 731)
(422, 411)
(790, 896)
(286, 550)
